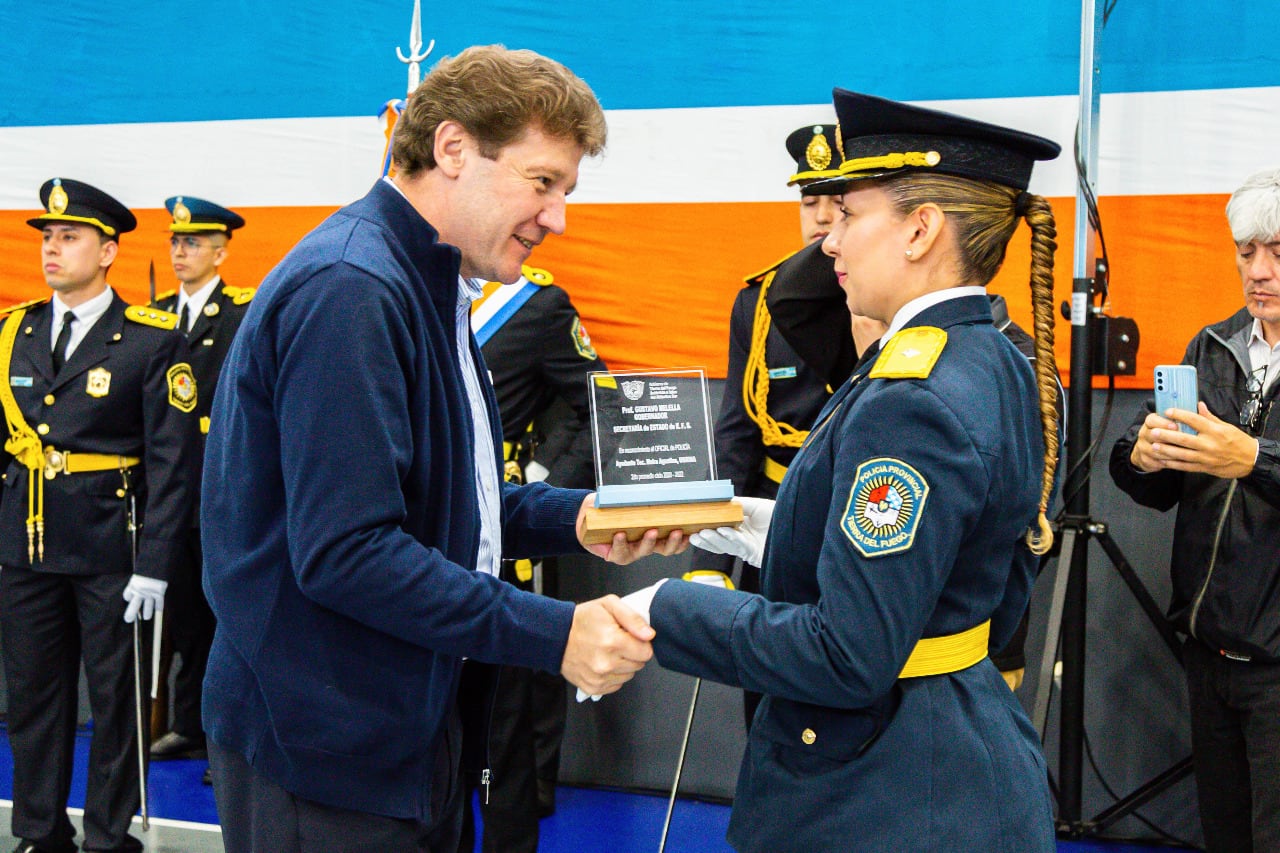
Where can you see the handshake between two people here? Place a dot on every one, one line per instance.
(610, 639)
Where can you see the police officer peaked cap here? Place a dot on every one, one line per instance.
(816, 152)
(67, 200)
(193, 215)
(881, 137)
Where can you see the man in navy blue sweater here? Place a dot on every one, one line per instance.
(354, 513)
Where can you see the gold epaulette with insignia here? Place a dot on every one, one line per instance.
(151, 317)
(910, 354)
(240, 295)
(758, 278)
(11, 308)
(539, 277)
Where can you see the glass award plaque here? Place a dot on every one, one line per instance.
(655, 456)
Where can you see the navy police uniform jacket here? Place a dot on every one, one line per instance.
(208, 342)
(900, 518)
(796, 395)
(340, 520)
(210, 338)
(125, 391)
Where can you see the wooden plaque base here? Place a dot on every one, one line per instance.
(603, 523)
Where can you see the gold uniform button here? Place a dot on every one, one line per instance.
(43, 429)
(120, 493)
(808, 736)
(48, 399)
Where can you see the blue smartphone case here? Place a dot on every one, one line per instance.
(1176, 389)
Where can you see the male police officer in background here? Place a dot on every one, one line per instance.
(100, 406)
(209, 312)
(540, 358)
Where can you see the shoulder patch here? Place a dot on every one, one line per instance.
(910, 354)
(182, 387)
(539, 277)
(21, 305)
(168, 294)
(885, 506)
(582, 341)
(758, 277)
(151, 317)
(240, 295)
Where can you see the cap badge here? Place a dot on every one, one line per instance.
(181, 214)
(58, 200)
(818, 152)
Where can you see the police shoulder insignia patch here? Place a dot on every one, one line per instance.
(910, 354)
(538, 276)
(885, 505)
(582, 341)
(151, 317)
(182, 387)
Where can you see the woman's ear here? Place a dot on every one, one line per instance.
(925, 224)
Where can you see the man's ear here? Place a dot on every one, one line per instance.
(107, 253)
(451, 146)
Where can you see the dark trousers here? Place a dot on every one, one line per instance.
(550, 700)
(511, 814)
(1235, 748)
(191, 625)
(50, 621)
(259, 816)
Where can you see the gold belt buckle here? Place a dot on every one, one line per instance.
(55, 462)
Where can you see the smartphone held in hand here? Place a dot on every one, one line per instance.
(1176, 389)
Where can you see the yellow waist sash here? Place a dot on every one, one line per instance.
(774, 470)
(952, 653)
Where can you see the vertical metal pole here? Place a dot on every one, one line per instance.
(1079, 430)
(684, 748)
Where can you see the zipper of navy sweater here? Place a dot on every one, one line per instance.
(1213, 557)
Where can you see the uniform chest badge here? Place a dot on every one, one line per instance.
(885, 505)
(211, 309)
(99, 382)
(182, 387)
(582, 341)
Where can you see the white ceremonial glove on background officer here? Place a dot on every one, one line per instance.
(145, 595)
(642, 599)
(534, 472)
(745, 541)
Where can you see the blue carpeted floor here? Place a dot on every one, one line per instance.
(585, 820)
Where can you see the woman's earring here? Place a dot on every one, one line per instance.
(909, 253)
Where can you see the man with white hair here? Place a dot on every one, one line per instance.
(1225, 480)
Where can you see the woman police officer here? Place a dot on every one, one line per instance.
(905, 533)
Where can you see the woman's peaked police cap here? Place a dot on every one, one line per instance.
(879, 137)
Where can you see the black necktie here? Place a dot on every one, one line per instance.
(183, 318)
(64, 338)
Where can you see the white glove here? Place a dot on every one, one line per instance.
(534, 472)
(640, 601)
(144, 594)
(746, 541)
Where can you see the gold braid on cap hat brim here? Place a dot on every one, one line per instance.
(922, 159)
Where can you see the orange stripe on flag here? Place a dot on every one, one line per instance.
(654, 282)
